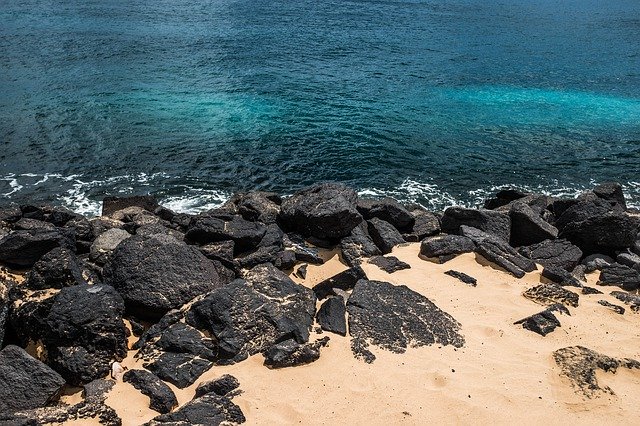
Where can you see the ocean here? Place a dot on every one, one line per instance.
(437, 102)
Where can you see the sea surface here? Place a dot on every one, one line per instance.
(434, 101)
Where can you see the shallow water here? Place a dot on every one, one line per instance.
(438, 102)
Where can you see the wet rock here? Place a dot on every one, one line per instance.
(162, 398)
(489, 221)
(553, 253)
(467, 279)
(358, 245)
(85, 332)
(24, 248)
(384, 235)
(550, 294)
(389, 264)
(389, 210)
(579, 365)
(394, 318)
(446, 247)
(611, 191)
(257, 206)
(246, 235)
(628, 299)
(620, 275)
(56, 269)
(291, 353)
(544, 322)
(527, 227)
(504, 197)
(326, 211)
(302, 250)
(25, 382)
(597, 227)
(223, 386)
(154, 275)
(332, 316)
(345, 281)
(207, 410)
(595, 262)
(561, 277)
(248, 315)
(615, 308)
(111, 205)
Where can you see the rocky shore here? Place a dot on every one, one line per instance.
(140, 316)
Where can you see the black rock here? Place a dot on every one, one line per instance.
(207, 410)
(332, 316)
(301, 272)
(395, 317)
(257, 206)
(597, 227)
(489, 221)
(222, 386)
(629, 299)
(285, 260)
(111, 205)
(631, 260)
(302, 250)
(551, 294)
(24, 248)
(611, 191)
(246, 235)
(620, 275)
(446, 247)
(615, 308)
(358, 245)
(259, 256)
(389, 264)
(28, 313)
(560, 276)
(10, 214)
(180, 369)
(85, 332)
(291, 353)
(25, 382)
(182, 338)
(221, 251)
(590, 290)
(504, 197)
(56, 269)
(26, 224)
(462, 277)
(595, 262)
(162, 398)
(326, 211)
(345, 280)
(553, 253)
(157, 274)
(426, 224)
(388, 210)
(543, 322)
(384, 235)
(527, 227)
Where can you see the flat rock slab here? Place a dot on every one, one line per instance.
(615, 308)
(389, 264)
(629, 299)
(579, 365)
(621, 276)
(395, 318)
(550, 294)
(544, 322)
(461, 276)
(162, 399)
(207, 410)
(553, 253)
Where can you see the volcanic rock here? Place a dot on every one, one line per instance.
(389, 210)
(527, 227)
(345, 281)
(550, 294)
(207, 410)
(332, 316)
(56, 269)
(611, 191)
(222, 386)
(291, 353)
(246, 235)
(620, 275)
(24, 248)
(615, 308)
(489, 221)
(544, 322)
(467, 279)
(553, 253)
(358, 245)
(111, 205)
(162, 398)
(384, 235)
(445, 247)
(389, 264)
(629, 299)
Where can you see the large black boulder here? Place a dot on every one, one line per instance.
(384, 235)
(245, 234)
(162, 399)
(24, 248)
(620, 275)
(56, 269)
(222, 386)
(257, 206)
(425, 225)
(25, 382)
(157, 274)
(489, 221)
(326, 211)
(388, 210)
(207, 410)
(558, 253)
(358, 245)
(504, 197)
(527, 227)
(446, 247)
(611, 191)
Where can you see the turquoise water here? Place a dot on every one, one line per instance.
(438, 102)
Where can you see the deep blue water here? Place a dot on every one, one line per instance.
(436, 101)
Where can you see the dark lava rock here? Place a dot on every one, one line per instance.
(291, 353)
(245, 234)
(285, 260)
(248, 315)
(25, 224)
(326, 211)
(111, 205)
(504, 197)
(384, 235)
(561, 277)
(358, 245)
(527, 227)
(85, 332)
(595, 262)
(221, 251)
(553, 253)
(388, 210)
(590, 290)
(629, 299)
(207, 410)
(389, 264)
(25, 382)
(597, 227)
(258, 256)
(181, 369)
(550, 294)
(498, 252)
(302, 250)
(105, 244)
(162, 398)
(394, 318)
(620, 275)
(155, 275)
(426, 224)
(222, 386)
(332, 316)
(489, 221)
(345, 281)
(446, 247)
(611, 191)
(631, 260)
(257, 206)
(579, 365)
(467, 279)
(615, 308)
(56, 269)
(543, 322)
(5, 304)
(24, 248)
(301, 272)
